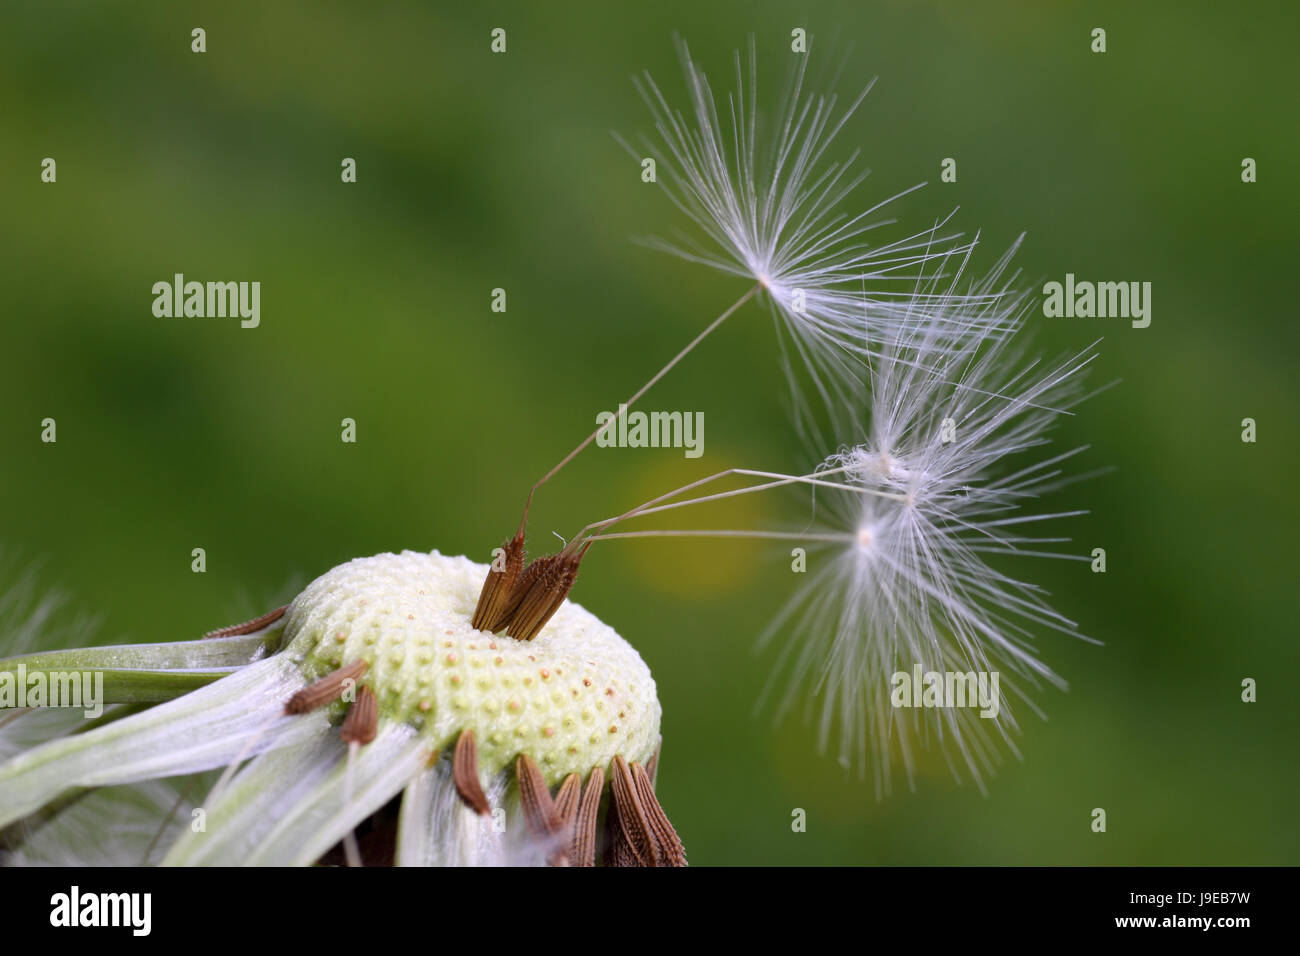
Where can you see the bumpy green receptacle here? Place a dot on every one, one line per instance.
(571, 698)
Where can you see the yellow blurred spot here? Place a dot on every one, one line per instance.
(699, 567)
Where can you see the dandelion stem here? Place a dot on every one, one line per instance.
(725, 533)
(219, 787)
(622, 410)
(653, 506)
(162, 827)
(351, 851)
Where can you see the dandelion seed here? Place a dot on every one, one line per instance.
(907, 514)
(913, 585)
(774, 207)
(775, 215)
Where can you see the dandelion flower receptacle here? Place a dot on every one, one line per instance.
(374, 685)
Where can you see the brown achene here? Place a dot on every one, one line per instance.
(521, 599)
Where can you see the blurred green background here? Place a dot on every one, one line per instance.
(477, 171)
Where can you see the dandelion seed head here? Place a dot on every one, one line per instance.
(468, 728)
(505, 703)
